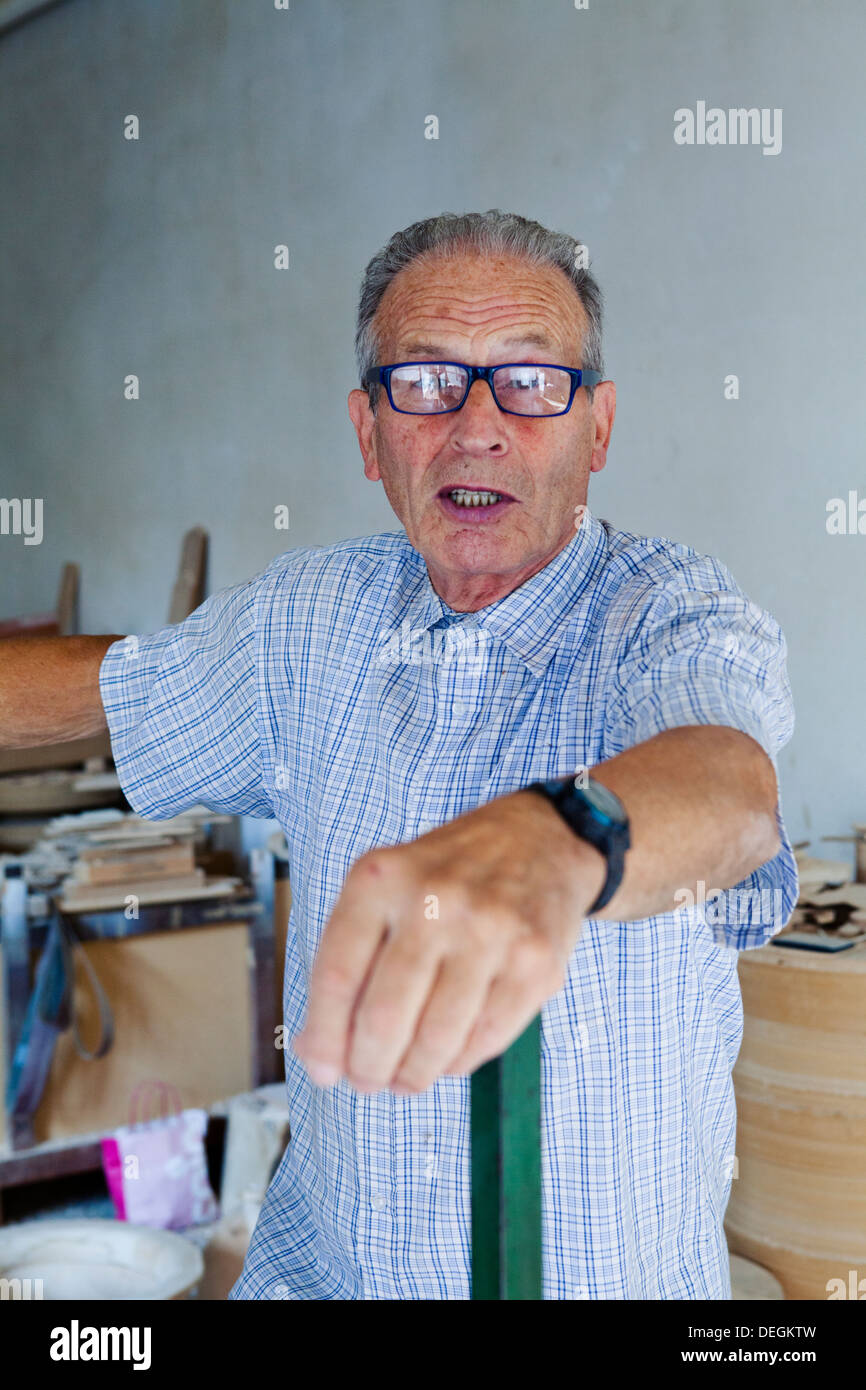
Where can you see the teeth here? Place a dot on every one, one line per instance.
(464, 498)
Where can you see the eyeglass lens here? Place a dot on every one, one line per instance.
(424, 388)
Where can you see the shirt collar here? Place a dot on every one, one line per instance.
(528, 620)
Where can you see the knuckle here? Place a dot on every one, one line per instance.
(434, 1039)
(374, 863)
(377, 1021)
(535, 955)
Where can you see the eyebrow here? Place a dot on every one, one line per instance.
(435, 351)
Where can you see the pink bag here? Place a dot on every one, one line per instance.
(157, 1170)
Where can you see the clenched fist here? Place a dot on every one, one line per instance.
(439, 952)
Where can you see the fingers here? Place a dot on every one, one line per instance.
(387, 1012)
(456, 1001)
(514, 998)
(349, 944)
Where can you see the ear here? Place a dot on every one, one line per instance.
(603, 412)
(364, 421)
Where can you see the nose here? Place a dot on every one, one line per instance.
(479, 426)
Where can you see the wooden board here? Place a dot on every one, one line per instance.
(50, 755)
(189, 586)
(67, 600)
(50, 792)
(183, 1014)
(84, 898)
(169, 859)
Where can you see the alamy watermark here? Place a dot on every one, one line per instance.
(22, 516)
(855, 1288)
(738, 125)
(408, 646)
(733, 906)
(846, 517)
(23, 1290)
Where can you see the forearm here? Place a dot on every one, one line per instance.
(401, 995)
(49, 689)
(701, 805)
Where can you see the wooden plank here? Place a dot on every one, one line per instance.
(109, 923)
(48, 1161)
(188, 590)
(92, 899)
(100, 865)
(38, 625)
(50, 755)
(67, 601)
(182, 1004)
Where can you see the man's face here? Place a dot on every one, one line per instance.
(483, 311)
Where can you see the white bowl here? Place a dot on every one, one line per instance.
(101, 1260)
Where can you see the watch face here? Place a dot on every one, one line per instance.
(604, 802)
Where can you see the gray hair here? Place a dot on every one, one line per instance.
(492, 233)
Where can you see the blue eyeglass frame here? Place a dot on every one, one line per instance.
(382, 376)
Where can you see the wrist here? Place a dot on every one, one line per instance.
(584, 864)
(595, 816)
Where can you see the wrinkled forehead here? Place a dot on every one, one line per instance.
(473, 307)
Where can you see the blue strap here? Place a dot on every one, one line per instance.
(49, 1013)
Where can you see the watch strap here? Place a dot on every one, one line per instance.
(611, 841)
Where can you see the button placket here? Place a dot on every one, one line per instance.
(421, 816)
(468, 687)
(375, 1167)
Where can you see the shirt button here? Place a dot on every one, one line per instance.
(424, 826)
(460, 708)
(378, 1202)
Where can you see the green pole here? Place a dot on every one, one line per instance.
(506, 1172)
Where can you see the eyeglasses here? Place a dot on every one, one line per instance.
(519, 388)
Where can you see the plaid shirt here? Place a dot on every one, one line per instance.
(337, 692)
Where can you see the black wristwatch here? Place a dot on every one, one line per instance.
(596, 815)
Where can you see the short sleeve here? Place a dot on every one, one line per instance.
(183, 711)
(701, 652)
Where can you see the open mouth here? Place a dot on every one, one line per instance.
(474, 502)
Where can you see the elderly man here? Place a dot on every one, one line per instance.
(524, 761)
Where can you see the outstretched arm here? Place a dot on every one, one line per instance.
(49, 689)
(401, 995)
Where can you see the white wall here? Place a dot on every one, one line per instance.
(307, 127)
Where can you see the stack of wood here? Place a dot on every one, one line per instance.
(831, 908)
(135, 859)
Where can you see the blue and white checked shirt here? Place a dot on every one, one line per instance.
(337, 692)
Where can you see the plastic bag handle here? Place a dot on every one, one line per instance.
(168, 1096)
